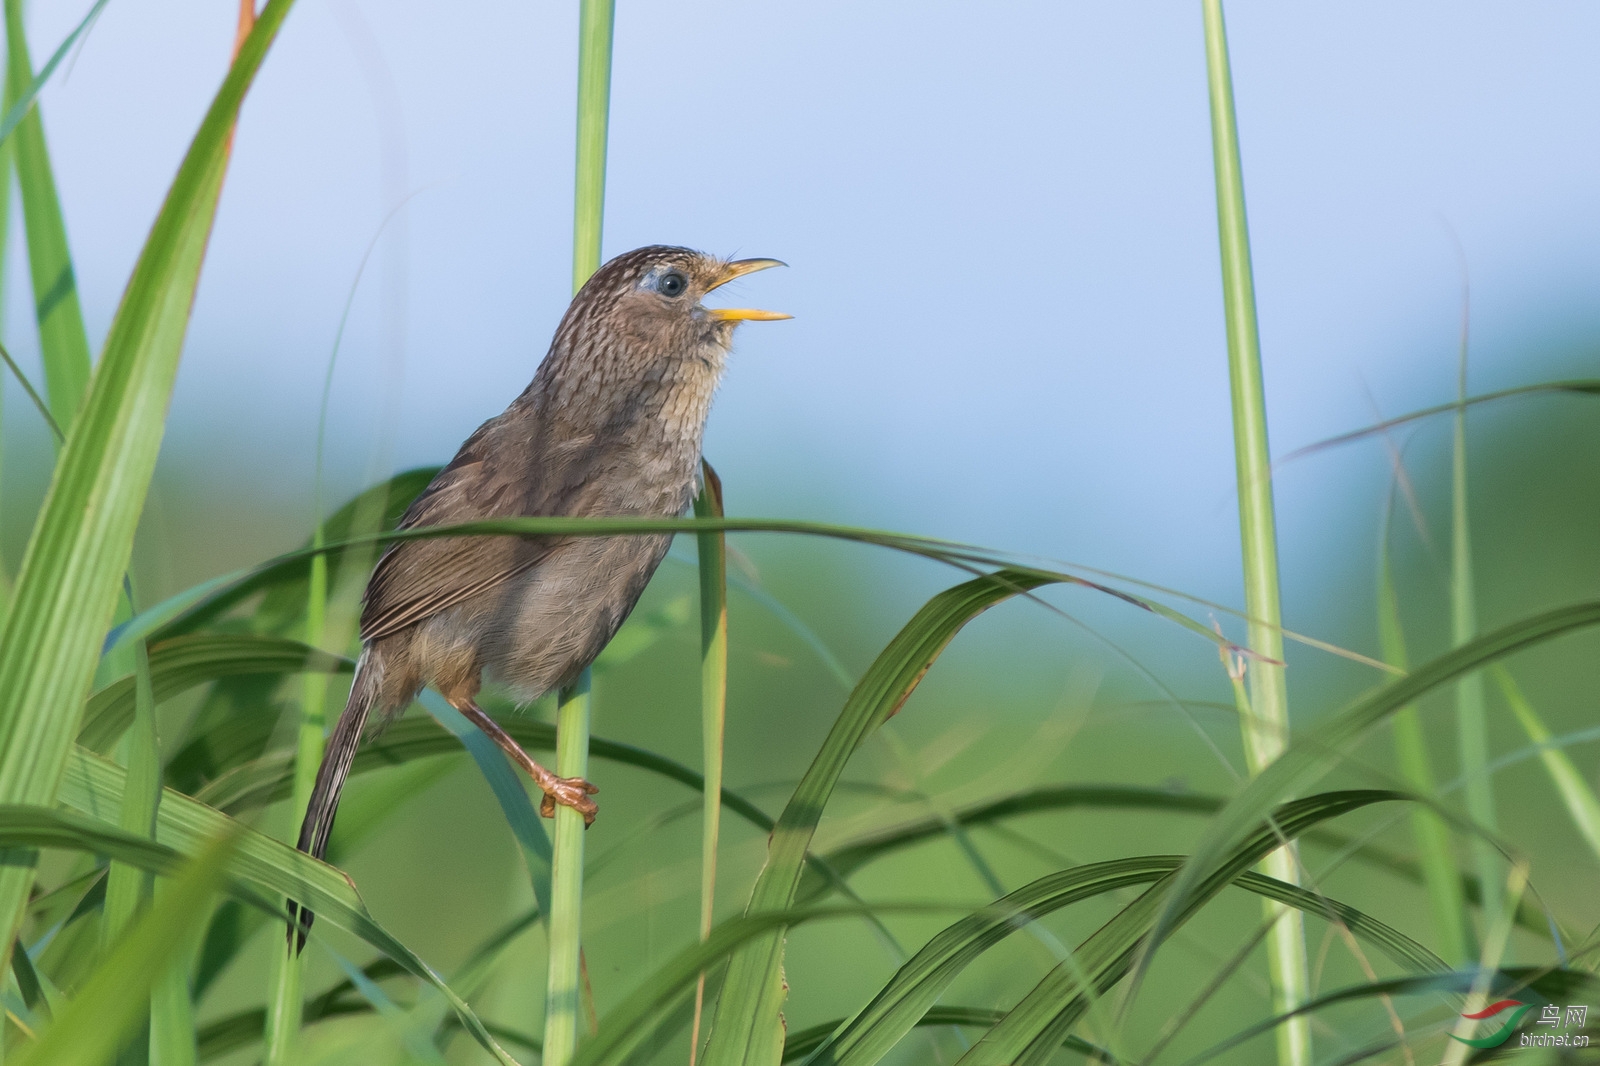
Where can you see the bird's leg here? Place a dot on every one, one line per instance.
(572, 792)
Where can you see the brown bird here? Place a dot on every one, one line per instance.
(611, 425)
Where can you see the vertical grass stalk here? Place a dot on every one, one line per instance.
(1472, 729)
(285, 999)
(566, 882)
(1266, 725)
(595, 20)
(1439, 874)
(6, 155)
(713, 562)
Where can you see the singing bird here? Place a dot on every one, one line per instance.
(611, 425)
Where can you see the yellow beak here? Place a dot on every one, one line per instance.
(738, 269)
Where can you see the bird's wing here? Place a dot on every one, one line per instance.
(494, 475)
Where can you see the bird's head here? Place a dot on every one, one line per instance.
(651, 298)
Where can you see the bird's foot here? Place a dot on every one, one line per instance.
(571, 792)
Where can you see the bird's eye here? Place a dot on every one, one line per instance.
(672, 283)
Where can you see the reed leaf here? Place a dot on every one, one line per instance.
(103, 1015)
(83, 538)
(63, 342)
(748, 1009)
(1576, 795)
(266, 867)
(713, 570)
(891, 1013)
(1319, 747)
(1411, 750)
(181, 663)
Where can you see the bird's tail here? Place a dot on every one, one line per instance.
(336, 758)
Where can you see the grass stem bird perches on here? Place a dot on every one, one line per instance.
(611, 425)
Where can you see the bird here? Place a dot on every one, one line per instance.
(611, 425)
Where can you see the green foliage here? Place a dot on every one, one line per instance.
(144, 878)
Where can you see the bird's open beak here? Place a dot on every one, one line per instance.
(738, 269)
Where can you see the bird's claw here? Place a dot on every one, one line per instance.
(571, 792)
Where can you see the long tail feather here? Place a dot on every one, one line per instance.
(324, 803)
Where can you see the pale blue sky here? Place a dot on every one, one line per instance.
(999, 219)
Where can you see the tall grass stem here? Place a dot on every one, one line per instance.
(1266, 726)
(595, 20)
(566, 882)
(713, 566)
(1445, 901)
(1472, 728)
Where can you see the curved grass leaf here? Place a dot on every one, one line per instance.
(1577, 386)
(267, 780)
(649, 1007)
(225, 591)
(95, 786)
(110, 1006)
(751, 998)
(804, 1041)
(846, 859)
(890, 1014)
(1316, 749)
(83, 538)
(181, 663)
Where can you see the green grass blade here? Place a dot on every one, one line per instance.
(1576, 795)
(7, 168)
(922, 980)
(713, 567)
(181, 663)
(63, 342)
(748, 1009)
(109, 1007)
(265, 866)
(1472, 726)
(1317, 748)
(508, 791)
(566, 882)
(17, 109)
(128, 888)
(262, 781)
(651, 1006)
(1573, 387)
(596, 19)
(173, 1038)
(1266, 723)
(1035, 1027)
(965, 557)
(284, 999)
(1411, 750)
(83, 538)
